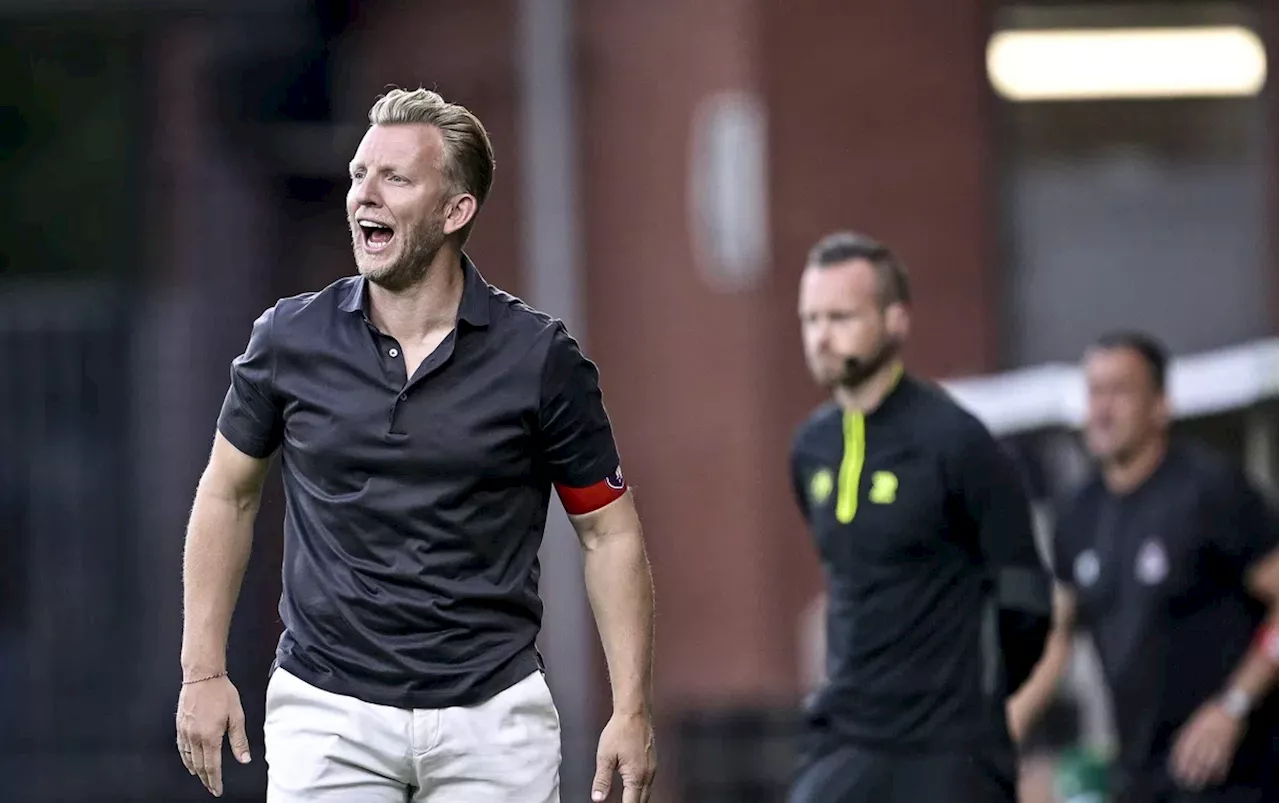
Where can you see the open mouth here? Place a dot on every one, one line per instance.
(375, 236)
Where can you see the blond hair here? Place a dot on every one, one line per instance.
(468, 154)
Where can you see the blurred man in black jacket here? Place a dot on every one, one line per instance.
(938, 604)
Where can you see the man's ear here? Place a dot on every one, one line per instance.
(897, 320)
(459, 211)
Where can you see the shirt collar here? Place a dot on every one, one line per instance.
(474, 307)
(891, 395)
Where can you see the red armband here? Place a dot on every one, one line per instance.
(578, 501)
(1266, 641)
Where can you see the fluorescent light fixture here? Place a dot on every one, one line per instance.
(1107, 63)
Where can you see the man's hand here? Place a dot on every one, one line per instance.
(1206, 747)
(1018, 724)
(626, 744)
(207, 710)
(621, 592)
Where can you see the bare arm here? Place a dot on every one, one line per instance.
(1243, 540)
(621, 592)
(219, 537)
(1029, 702)
(1206, 744)
(620, 589)
(1256, 674)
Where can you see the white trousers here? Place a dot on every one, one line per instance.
(327, 748)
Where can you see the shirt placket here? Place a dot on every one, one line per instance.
(401, 384)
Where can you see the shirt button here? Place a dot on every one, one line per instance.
(404, 397)
(394, 352)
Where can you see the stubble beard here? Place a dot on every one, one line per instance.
(418, 250)
(857, 371)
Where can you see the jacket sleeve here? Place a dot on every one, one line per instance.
(995, 500)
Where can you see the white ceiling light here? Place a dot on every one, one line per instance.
(1107, 63)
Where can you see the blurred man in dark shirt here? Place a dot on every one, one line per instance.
(938, 605)
(1167, 558)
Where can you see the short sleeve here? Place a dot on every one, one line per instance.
(1241, 525)
(252, 417)
(1061, 551)
(574, 433)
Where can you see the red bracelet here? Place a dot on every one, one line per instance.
(1266, 641)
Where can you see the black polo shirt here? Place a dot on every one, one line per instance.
(924, 532)
(415, 507)
(1158, 576)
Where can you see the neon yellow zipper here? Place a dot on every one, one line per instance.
(855, 453)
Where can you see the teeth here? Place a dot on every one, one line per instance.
(369, 224)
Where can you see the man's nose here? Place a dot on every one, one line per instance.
(364, 194)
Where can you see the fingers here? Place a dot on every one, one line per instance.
(637, 790)
(1220, 769)
(645, 782)
(196, 757)
(604, 776)
(238, 737)
(184, 751)
(1211, 769)
(1184, 762)
(210, 771)
(1199, 761)
(184, 739)
(1178, 758)
(637, 777)
(201, 753)
(1210, 765)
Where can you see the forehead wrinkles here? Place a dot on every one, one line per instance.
(402, 148)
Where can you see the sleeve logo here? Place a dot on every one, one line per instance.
(884, 488)
(821, 484)
(1152, 565)
(1086, 568)
(615, 480)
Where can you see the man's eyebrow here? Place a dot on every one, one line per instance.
(385, 169)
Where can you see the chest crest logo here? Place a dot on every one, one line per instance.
(1087, 568)
(884, 488)
(821, 484)
(1152, 565)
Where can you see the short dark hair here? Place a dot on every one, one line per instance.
(1149, 349)
(843, 246)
